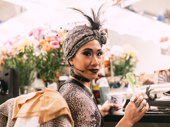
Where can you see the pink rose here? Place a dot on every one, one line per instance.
(55, 44)
(30, 34)
(52, 54)
(39, 30)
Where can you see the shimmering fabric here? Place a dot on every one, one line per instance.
(6, 110)
(82, 106)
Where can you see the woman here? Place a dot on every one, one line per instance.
(162, 77)
(83, 49)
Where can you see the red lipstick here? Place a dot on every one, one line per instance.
(94, 70)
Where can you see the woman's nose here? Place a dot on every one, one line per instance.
(95, 61)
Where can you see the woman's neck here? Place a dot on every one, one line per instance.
(87, 84)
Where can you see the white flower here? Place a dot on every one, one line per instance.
(117, 51)
(36, 53)
(25, 57)
(44, 59)
(23, 43)
(130, 51)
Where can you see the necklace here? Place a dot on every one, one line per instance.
(79, 77)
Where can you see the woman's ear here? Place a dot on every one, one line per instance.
(71, 61)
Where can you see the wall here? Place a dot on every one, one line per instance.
(152, 6)
(8, 10)
(149, 53)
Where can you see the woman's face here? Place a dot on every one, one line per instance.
(89, 59)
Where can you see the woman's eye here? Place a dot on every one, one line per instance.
(100, 53)
(86, 53)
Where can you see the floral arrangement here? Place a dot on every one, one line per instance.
(50, 60)
(123, 59)
(41, 51)
(19, 55)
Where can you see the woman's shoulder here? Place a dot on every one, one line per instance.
(75, 95)
(71, 92)
(70, 89)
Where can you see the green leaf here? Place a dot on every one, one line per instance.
(131, 82)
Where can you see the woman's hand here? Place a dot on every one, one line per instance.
(104, 110)
(135, 109)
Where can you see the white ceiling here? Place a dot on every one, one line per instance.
(152, 6)
(55, 13)
(123, 22)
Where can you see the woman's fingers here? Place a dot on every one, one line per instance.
(138, 101)
(133, 98)
(146, 108)
(112, 104)
(107, 105)
(142, 105)
(104, 109)
(134, 113)
(105, 113)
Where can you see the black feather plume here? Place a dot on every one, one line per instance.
(95, 20)
(99, 13)
(93, 14)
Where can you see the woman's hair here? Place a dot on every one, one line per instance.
(82, 34)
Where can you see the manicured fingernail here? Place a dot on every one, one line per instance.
(118, 109)
(133, 98)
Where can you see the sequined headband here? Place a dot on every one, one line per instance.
(79, 36)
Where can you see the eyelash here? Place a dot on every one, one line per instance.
(88, 53)
(100, 53)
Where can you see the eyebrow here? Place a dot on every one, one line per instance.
(89, 49)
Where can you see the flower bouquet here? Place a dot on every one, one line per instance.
(19, 55)
(41, 53)
(49, 58)
(123, 59)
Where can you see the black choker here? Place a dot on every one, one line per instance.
(79, 77)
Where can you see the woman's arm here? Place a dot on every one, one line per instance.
(134, 111)
(104, 109)
(132, 115)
